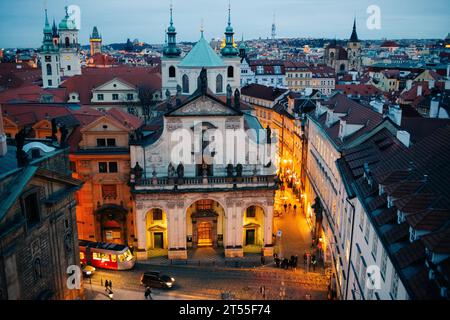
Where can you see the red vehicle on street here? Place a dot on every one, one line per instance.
(106, 255)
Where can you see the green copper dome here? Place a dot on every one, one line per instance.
(171, 49)
(229, 50)
(202, 55)
(66, 23)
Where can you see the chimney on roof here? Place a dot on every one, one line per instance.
(404, 137)
(408, 84)
(395, 114)
(419, 90)
(434, 107)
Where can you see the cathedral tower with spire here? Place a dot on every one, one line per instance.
(50, 59)
(170, 59)
(354, 51)
(230, 56)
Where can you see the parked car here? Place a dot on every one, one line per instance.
(157, 280)
(87, 270)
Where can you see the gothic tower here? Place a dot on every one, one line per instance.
(354, 51)
(95, 42)
(69, 47)
(49, 56)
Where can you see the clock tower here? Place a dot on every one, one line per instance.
(49, 56)
(69, 47)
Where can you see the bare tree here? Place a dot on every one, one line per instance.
(145, 94)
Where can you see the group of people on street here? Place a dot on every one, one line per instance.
(285, 263)
(108, 288)
(289, 208)
(309, 261)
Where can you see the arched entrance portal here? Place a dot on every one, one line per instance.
(112, 223)
(253, 229)
(205, 223)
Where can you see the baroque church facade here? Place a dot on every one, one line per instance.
(206, 195)
(181, 73)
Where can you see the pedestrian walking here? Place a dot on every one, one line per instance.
(305, 259)
(285, 263)
(106, 285)
(295, 262)
(295, 209)
(278, 262)
(262, 290)
(263, 260)
(308, 261)
(147, 293)
(110, 285)
(313, 261)
(291, 262)
(290, 207)
(285, 207)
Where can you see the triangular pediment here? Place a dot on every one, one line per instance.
(100, 123)
(204, 106)
(115, 84)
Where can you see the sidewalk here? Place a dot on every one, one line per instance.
(208, 257)
(96, 292)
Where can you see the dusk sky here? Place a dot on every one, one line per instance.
(21, 21)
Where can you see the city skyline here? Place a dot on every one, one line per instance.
(248, 21)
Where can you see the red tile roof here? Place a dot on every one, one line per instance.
(364, 90)
(31, 93)
(29, 114)
(94, 77)
(262, 92)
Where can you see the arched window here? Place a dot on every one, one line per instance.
(49, 69)
(342, 67)
(219, 84)
(67, 41)
(185, 84)
(331, 55)
(230, 72)
(172, 72)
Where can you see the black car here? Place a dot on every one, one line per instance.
(157, 280)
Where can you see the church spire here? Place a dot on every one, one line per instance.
(171, 48)
(354, 36)
(229, 48)
(47, 43)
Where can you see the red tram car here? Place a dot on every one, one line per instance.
(106, 255)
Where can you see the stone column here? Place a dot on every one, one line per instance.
(233, 244)
(176, 231)
(141, 252)
(268, 230)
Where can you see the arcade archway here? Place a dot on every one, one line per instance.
(205, 224)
